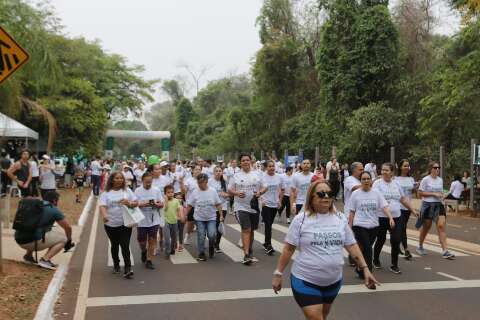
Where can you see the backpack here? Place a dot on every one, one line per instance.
(29, 214)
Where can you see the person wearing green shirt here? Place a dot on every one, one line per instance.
(173, 213)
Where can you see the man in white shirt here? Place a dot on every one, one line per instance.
(96, 168)
(372, 168)
(300, 184)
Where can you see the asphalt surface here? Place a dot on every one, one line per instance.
(221, 288)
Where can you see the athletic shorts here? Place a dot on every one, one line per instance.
(248, 220)
(431, 210)
(51, 238)
(308, 294)
(190, 215)
(147, 232)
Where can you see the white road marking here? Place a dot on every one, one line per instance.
(110, 260)
(231, 250)
(183, 257)
(450, 276)
(260, 237)
(268, 293)
(82, 298)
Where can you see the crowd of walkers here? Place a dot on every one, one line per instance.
(177, 199)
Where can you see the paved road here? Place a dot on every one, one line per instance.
(222, 288)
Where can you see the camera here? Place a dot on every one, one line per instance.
(152, 203)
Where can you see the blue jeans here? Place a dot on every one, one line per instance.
(206, 228)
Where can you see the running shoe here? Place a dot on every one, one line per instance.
(144, 256)
(395, 269)
(211, 252)
(253, 258)
(265, 247)
(218, 250)
(408, 255)
(149, 265)
(360, 274)
(180, 248)
(401, 252)
(202, 257)
(47, 264)
(377, 265)
(288, 221)
(270, 251)
(28, 259)
(116, 269)
(128, 273)
(172, 252)
(186, 240)
(448, 255)
(247, 260)
(421, 251)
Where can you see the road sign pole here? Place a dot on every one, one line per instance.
(392, 155)
(442, 162)
(473, 174)
(317, 156)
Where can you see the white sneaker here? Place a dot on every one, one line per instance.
(186, 240)
(288, 220)
(47, 264)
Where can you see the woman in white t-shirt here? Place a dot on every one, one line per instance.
(116, 195)
(206, 202)
(271, 195)
(220, 185)
(320, 234)
(287, 179)
(365, 203)
(456, 188)
(150, 201)
(408, 185)
(393, 193)
(431, 191)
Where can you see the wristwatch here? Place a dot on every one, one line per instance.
(277, 273)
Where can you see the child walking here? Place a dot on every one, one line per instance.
(173, 214)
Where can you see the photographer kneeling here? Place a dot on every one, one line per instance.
(41, 236)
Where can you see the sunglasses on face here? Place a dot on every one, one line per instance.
(435, 167)
(323, 194)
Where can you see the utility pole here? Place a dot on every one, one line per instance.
(473, 175)
(392, 155)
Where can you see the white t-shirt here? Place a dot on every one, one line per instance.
(152, 216)
(408, 185)
(204, 202)
(366, 206)
(349, 183)
(456, 189)
(128, 177)
(96, 168)
(320, 239)
(161, 182)
(191, 185)
(217, 185)
(111, 200)
(392, 192)
(372, 168)
(428, 184)
(139, 174)
(287, 181)
(247, 183)
(301, 182)
(47, 178)
(230, 172)
(35, 171)
(274, 186)
(175, 177)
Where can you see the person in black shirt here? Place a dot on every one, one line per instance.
(5, 164)
(21, 173)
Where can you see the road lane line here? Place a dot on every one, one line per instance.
(183, 257)
(268, 293)
(231, 250)
(110, 260)
(450, 276)
(82, 298)
(260, 237)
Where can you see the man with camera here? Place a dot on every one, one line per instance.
(42, 236)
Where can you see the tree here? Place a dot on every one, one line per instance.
(183, 115)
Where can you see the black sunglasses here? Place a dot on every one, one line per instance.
(323, 194)
(435, 167)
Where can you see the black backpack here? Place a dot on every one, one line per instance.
(29, 214)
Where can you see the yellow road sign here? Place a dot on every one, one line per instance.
(12, 55)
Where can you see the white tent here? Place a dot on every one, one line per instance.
(13, 129)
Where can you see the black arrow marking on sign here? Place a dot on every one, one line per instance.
(7, 60)
(2, 66)
(15, 58)
(5, 44)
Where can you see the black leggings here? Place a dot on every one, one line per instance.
(181, 226)
(268, 215)
(395, 237)
(120, 237)
(286, 206)
(219, 235)
(365, 238)
(405, 216)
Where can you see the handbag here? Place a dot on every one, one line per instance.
(162, 218)
(221, 228)
(131, 216)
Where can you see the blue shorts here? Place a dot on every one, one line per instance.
(308, 294)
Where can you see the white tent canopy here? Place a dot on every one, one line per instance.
(13, 129)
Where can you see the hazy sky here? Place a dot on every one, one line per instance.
(162, 34)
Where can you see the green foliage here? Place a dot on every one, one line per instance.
(183, 115)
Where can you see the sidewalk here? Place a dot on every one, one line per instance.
(12, 251)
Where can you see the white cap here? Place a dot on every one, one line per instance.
(163, 163)
(46, 157)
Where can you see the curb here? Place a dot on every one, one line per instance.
(45, 309)
(86, 210)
